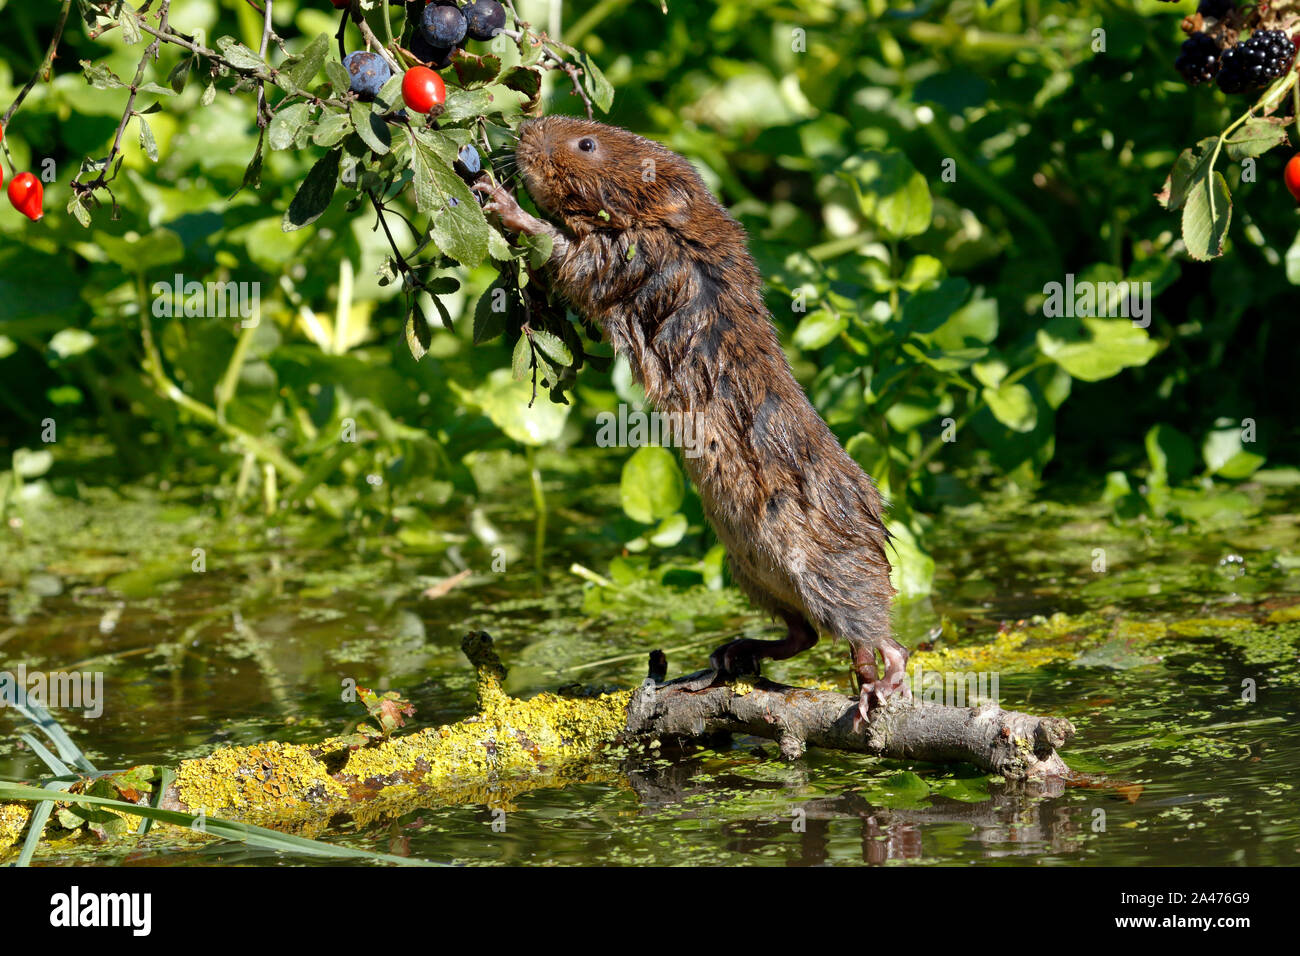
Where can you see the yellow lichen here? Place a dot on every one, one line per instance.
(1005, 653)
(13, 817)
(1140, 631)
(269, 777)
(1285, 615)
(1209, 626)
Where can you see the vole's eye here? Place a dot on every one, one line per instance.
(587, 144)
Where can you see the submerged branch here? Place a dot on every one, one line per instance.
(1016, 745)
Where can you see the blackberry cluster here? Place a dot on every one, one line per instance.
(1256, 62)
(1198, 60)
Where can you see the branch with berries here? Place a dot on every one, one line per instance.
(1250, 51)
(402, 121)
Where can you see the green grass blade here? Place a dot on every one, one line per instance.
(36, 825)
(54, 763)
(164, 781)
(41, 717)
(226, 829)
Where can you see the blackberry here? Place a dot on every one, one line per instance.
(1198, 60)
(1217, 9)
(1256, 62)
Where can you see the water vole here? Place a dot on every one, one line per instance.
(643, 249)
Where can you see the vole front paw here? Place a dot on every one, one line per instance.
(502, 203)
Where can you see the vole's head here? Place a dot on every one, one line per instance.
(594, 176)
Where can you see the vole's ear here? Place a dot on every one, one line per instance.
(675, 208)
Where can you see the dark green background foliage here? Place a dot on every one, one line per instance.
(905, 299)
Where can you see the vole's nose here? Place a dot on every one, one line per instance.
(532, 135)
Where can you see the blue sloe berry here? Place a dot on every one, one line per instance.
(443, 25)
(368, 72)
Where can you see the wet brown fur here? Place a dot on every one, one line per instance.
(647, 252)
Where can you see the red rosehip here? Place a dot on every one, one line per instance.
(1291, 175)
(423, 89)
(341, 4)
(26, 193)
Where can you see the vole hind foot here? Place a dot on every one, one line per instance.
(745, 655)
(874, 690)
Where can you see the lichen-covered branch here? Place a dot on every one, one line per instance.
(511, 746)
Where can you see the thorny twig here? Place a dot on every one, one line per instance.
(43, 69)
(263, 116)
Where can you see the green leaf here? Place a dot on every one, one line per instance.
(1187, 168)
(928, 310)
(553, 348)
(1013, 406)
(314, 194)
(921, 270)
(598, 88)
(142, 253)
(912, 571)
(338, 76)
(990, 373)
(286, 123)
(253, 172)
(506, 402)
(491, 311)
(1094, 349)
(818, 329)
(389, 97)
(68, 343)
(458, 227)
(238, 55)
(539, 248)
(372, 130)
(868, 452)
(1225, 454)
(670, 531)
(484, 101)
(155, 89)
(310, 61)
(418, 333)
(101, 77)
(77, 209)
(1254, 138)
(971, 326)
(31, 464)
(331, 128)
(891, 193)
(652, 487)
(521, 359)
(1293, 262)
(180, 74)
(1170, 453)
(147, 142)
(129, 25)
(1206, 216)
